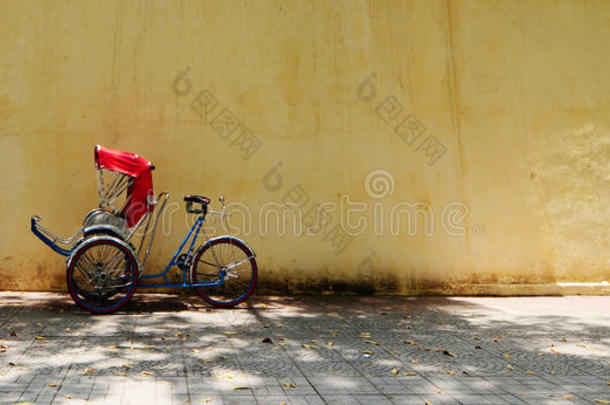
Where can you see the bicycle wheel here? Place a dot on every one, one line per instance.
(227, 262)
(102, 275)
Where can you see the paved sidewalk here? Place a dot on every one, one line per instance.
(165, 349)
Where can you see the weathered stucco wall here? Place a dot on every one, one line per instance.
(508, 184)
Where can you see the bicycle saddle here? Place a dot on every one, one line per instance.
(197, 199)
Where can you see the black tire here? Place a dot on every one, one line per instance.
(102, 275)
(237, 287)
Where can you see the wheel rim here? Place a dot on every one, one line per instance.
(235, 262)
(102, 276)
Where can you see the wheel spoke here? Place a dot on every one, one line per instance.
(102, 275)
(240, 276)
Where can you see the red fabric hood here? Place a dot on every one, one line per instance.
(135, 166)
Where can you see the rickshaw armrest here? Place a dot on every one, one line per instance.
(49, 238)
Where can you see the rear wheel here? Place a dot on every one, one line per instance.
(102, 275)
(229, 266)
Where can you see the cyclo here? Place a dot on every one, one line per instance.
(104, 268)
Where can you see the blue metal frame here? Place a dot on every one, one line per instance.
(47, 241)
(195, 229)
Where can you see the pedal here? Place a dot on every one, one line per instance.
(183, 262)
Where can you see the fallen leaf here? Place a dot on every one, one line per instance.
(88, 371)
(411, 342)
(310, 346)
(13, 334)
(333, 333)
(330, 344)
(450, 372)
(52, 385)
(267, 340)
(409, 374)
(395, 371)
(440, 391)
(126, 366)
(196, 350)
(556, 351)
(427, 403)
(448, 353)
(365, 335)
(564, 340)
(240, 387)
(371, 342)
(289, 384)
(224, 357)
(552, 372)
(608, 382)
(407, 326)
(414, 361)
(601, 401)
(369, 352)
(40, 338)
(231, 333)
(227, 376)
(507, 356)
(206, 400)
(530, 372)
(510, 367)
(145, 373)
(178, 334)
(112, 347)
(122, 374)
(540, 354)
(568, 396)
(68, 397)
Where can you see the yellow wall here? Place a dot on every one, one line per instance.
(518, 93)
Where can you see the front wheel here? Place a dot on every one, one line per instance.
(102, 274)
(227, 269)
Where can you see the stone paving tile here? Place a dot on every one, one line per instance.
(165, 349)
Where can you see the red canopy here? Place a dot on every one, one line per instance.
(137, 167)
